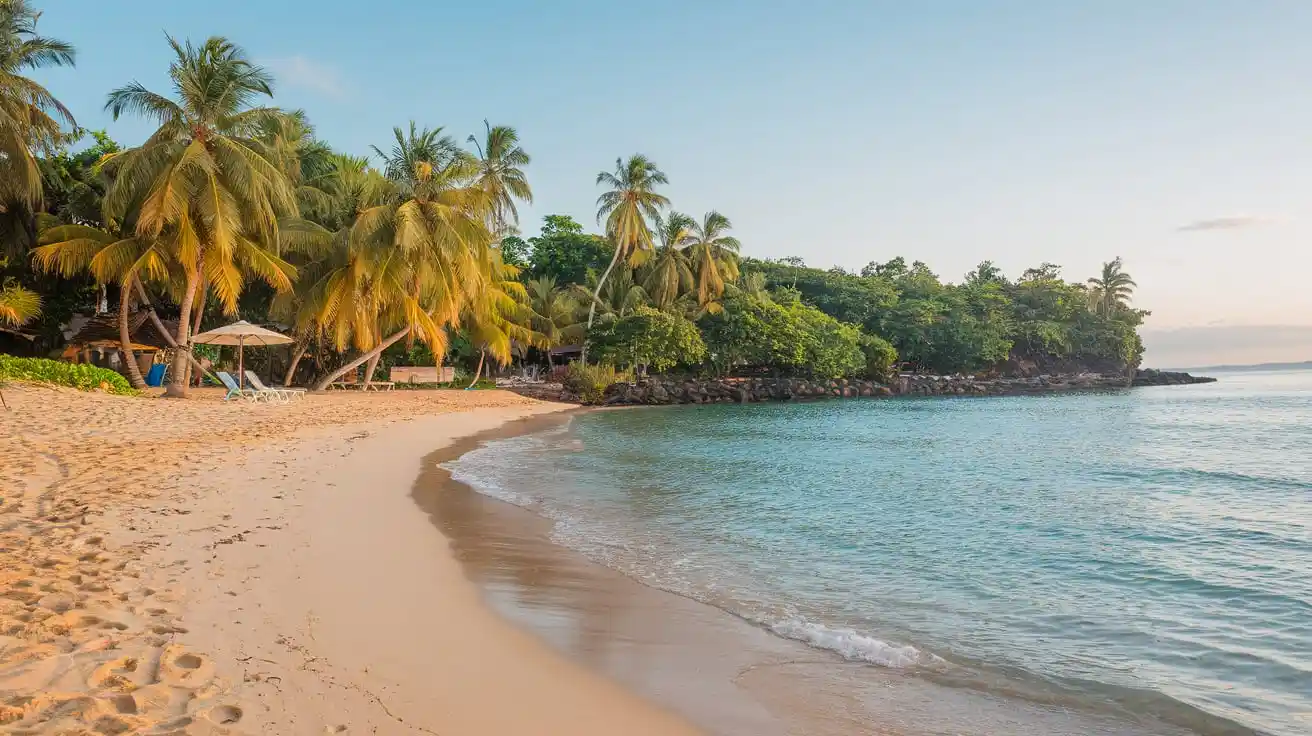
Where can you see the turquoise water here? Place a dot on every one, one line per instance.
(1144, 552)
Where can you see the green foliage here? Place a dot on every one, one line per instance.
(514, 251)
(564, 252)
(589, 382)
(880, 357)
(790, 337)
(80, 376)
(648, 337)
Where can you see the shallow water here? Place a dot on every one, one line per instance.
(1144, 553)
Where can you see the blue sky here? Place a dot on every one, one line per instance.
(1175, 133)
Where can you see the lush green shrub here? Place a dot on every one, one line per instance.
(648, 337)
(75, 375)
(881, 356)
(589, 382)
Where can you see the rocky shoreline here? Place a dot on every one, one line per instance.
(661, 390)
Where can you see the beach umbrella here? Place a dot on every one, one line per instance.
(241, 334)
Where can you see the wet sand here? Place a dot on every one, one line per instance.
(717, 670)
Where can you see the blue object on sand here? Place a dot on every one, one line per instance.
(156, 375)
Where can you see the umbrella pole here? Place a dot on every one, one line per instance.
(241, 361)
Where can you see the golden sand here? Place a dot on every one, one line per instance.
(121, 527)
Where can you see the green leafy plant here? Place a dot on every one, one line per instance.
(589, 382)
(58, 373)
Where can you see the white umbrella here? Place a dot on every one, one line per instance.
(240, 333)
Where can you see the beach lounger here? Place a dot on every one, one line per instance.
(249, 394)
(283, 392)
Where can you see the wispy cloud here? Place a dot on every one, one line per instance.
(301, 71)
(1234, 222)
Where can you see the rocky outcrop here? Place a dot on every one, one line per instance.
(736, 390)
(660, 390)
(1150, 377)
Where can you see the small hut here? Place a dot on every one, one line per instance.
(97, 341)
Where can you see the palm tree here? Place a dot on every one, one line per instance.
(110, 258)
(424, 256)
(626, 207)
(554, 313)
(290, 144)
(618, 298)
(714, 257)
(30, 119)
(321, 303)
(1113, 290)
(498, 316)
(202, 183)
(668, 274)
(18, 305)
(500, 165)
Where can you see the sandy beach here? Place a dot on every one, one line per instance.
(204, 567)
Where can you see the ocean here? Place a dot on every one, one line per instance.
(1142, 554)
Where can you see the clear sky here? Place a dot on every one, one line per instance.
(1174, 133)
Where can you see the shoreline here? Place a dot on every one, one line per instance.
(257, 575)
(722, 672)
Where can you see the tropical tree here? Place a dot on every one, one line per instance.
(714, 257)
(423, 257)
(554, 313)
(668, 274)
(626, 207)
(18, 305)
(31, 120)
(202, 185)
(500, 163)
(498, 317)
(1113, 289)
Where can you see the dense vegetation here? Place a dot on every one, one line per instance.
(411, 255)
(58, 373)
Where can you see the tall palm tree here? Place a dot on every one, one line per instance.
(290, 144)
(714, 258)
(426, 254)
(31, 119)
(626, 206)
(668, 274)
(202, 182)
(500, 165)
(1113, 289)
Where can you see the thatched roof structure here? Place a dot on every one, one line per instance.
(101, 331)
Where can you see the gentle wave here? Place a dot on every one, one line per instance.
(852, 645)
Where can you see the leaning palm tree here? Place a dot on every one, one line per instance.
(500, 163)
(1113, 289)
(668, 274)
(202, 183)
(714, 257)
(31, 119)
(626, 206)
(422, 257)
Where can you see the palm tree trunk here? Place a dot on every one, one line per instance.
(592, 308)
(298, 350)
(182, 347)
(202, 292)
(369, 369)
(125, 337)
(385, 344)
(163, 330)
(482, 354)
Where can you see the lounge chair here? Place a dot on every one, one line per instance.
(284, 393)
(248, 394)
